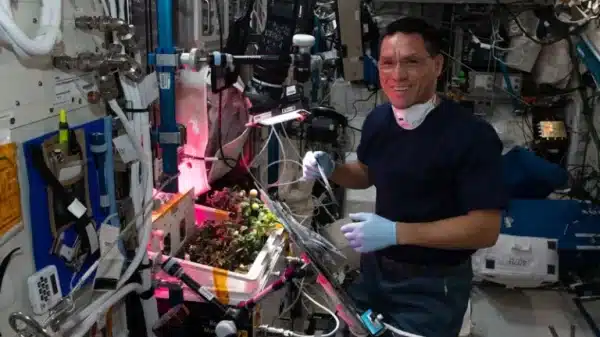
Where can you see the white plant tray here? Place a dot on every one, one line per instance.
(231, 287)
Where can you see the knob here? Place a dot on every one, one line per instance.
(303, 40)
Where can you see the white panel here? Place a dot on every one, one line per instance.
(27, 107)
(28, 89)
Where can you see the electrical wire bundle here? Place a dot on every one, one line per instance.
(137, 129)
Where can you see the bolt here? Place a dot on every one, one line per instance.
(34, 20)
(12, 121)
(51, 110)
(40, 83)
(17, 103)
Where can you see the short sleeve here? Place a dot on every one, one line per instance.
(480, 176)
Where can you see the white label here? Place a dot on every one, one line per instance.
(291, 90)
(515, 261)
(206, 294)
(164, 80)
(69, 172)
(482, 81)
(72, 90)
(108, 236)
(104, 201)
(92, 237)
(149, 89)
(125, 148)
(262, 116)
(77, 209)
(288, 109)
(66, 252)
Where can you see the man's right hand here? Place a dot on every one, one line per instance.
(311, 163)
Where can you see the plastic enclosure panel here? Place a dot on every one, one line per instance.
(176, 219)
(350, 32)
(206, 22)
(202, 20)
(28, 109)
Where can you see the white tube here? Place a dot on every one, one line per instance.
(400, 332)
(130, 132)
(47, 36)
(288, 333)
(141, 185)
(82, 329)
(330, 312)
(84, 313)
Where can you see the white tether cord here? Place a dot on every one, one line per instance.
(47, 36)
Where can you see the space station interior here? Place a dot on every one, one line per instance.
(174, 168)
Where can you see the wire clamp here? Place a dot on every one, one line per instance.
(373, 322)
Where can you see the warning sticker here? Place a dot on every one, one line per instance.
(10, 197)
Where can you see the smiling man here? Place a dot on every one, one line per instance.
(437, 171)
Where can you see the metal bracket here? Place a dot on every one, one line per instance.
(170, 138)
(26, 326)
(167, 60)
(164, 58)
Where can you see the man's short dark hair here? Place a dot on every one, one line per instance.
(413, 25)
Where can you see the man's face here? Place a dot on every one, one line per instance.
(408, 74)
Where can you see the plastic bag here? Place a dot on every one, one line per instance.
(192, 113)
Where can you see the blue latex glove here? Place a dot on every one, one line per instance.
(369, 232)
(311, 163)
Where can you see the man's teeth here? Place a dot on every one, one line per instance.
(401, 89)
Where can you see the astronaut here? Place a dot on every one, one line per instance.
(438, 175)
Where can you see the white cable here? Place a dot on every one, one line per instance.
(290, 333)
(48, 34)
(85, 326)
(92, 308)
(122, 9)
(105, 8)
(400, 332)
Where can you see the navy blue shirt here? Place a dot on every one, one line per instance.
(451, 164)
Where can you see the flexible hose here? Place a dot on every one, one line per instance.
(47, 36)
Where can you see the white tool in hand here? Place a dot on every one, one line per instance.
(327, 185)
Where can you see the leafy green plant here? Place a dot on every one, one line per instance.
(233, 244)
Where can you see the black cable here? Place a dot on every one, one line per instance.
(220, 111)
(526, 33)
(373, 93)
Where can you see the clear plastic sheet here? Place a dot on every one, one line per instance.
(192, 113)
(324, 256)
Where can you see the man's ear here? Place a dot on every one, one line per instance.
(439, 64)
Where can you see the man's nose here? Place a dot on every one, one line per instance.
(400, 73)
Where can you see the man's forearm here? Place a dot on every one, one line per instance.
(353, 175)
(478, 229)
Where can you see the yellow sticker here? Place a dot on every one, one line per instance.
(10, 196)
(243, 333)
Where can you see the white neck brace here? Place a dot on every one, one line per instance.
(411, 117)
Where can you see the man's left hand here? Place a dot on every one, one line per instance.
(369, 232)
